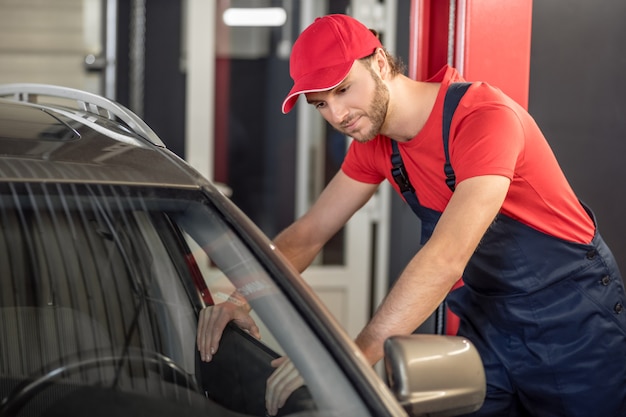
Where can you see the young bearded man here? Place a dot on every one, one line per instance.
(542, 295)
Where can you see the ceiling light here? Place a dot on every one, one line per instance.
(261, 16)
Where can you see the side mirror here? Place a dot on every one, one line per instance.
(433, 375)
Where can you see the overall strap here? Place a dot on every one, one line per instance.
(453, 96)
(400, 176)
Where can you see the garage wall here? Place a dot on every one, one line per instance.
(44, 41)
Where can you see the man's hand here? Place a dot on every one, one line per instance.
(281, 384)
(213, 320)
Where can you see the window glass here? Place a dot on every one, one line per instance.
(100, 287)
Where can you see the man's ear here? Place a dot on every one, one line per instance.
(381, 64)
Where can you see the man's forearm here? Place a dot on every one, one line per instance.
(295, 245)
(421, 287)
(393, 318)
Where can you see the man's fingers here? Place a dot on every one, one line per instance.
(278, 361)
(281, 384)
(211, 325)
(247, 323)
(217, 323)
(212, 322)
(203, 336)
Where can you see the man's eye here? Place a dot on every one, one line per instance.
(320, 105)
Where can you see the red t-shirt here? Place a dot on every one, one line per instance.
(490, 134)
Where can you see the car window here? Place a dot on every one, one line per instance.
(221, 289)
(100, 288)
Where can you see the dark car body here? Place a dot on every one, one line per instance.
(110, 245)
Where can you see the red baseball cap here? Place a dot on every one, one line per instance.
(324, 52)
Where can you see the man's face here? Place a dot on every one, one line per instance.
(358, 106)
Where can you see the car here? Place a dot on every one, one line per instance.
(111, 245)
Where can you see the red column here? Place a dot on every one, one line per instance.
(490, 41)
(493, 44)
(428, 43)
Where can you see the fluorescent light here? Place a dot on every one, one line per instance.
(260, 16)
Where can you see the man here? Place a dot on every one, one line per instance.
(543, 296)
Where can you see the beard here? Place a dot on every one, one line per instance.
(376, 113)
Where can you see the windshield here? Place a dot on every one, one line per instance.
(100, 291)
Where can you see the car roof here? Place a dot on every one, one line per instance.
(56, 134)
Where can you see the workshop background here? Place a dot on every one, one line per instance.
(577, 94)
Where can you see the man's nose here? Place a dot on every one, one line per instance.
(338, 112)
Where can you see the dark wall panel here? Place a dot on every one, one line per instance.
(578, 97)
(164, 84)
(163, 77)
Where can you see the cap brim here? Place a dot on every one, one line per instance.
(322, 80)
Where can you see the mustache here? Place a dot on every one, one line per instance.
(347, 121)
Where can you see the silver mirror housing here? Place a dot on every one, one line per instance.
(433, 375)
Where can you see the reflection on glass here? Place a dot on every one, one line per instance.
(100, 287)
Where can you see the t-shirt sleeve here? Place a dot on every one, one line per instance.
(360, 162)
(487, 141)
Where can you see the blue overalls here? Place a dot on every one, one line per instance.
(547, 317)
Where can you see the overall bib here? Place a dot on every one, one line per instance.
(546, 315)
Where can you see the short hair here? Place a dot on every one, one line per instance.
(395, 63)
